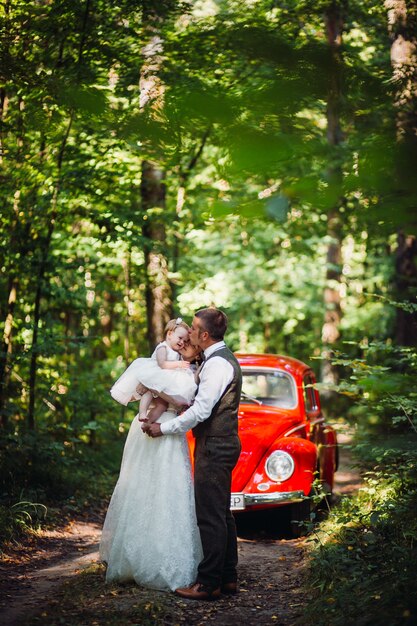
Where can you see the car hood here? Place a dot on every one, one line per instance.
(259, 427)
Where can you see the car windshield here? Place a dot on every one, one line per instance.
(269, 387)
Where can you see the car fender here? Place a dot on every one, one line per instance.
(304, 455)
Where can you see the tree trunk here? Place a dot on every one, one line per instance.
(45, 250)
(11, 299)
(402, 27)
(153, 193)
(158, 291)
(17, 243)
(4, 103)
(178, 236)
(332, 308)
(127, 265)
(183, 176)
(106, 324)
(405, 282)
(6, 348)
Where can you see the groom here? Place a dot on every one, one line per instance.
(213, 418)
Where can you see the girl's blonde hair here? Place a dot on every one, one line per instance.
(173, 324)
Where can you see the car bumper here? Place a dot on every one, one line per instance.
(244, 501)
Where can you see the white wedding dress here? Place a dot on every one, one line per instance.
(150, 533)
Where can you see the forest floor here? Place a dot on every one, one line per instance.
(54, 577)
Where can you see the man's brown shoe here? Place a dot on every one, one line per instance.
(230, 589)
(198, 592)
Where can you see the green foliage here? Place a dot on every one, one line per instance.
(253, 85)
(53, 465)
(241, 131)
(65, 472)
(21, 518)
(382, 385)
(362, 564)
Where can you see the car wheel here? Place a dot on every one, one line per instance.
(299, 513)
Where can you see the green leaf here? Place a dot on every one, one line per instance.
(278, 207)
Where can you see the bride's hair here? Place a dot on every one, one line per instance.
(173, 324)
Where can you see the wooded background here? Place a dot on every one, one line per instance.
(159, 157)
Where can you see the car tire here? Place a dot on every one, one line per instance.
(299, 513)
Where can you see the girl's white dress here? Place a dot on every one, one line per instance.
(150, 533)
(178, 384)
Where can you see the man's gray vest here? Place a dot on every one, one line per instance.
(222, 421)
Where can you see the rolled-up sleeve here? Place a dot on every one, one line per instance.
(215, 376)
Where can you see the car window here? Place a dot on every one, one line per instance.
(270, 387)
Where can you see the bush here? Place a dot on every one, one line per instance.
(363, 559)
(362, 566)
(37, 471)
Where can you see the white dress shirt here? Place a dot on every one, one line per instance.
(215, 376)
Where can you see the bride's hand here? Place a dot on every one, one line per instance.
(142, 419)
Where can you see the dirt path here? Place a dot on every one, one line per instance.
(270, 568)
(29, 575)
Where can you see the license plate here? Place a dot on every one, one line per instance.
(237, 502)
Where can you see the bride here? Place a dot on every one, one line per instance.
(150, 533)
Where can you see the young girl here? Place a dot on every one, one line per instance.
(161, 379)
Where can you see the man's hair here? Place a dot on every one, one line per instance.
(214, 322)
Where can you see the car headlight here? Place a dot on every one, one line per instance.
(279, 466)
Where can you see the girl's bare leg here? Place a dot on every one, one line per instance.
(159, 407)
(145, 401)
(170, 400)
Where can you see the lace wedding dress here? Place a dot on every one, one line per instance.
(150, 533)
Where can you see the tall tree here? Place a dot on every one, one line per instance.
(332, 307)
(402, 26)
(153, 191)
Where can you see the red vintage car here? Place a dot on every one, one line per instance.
(286, 444)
